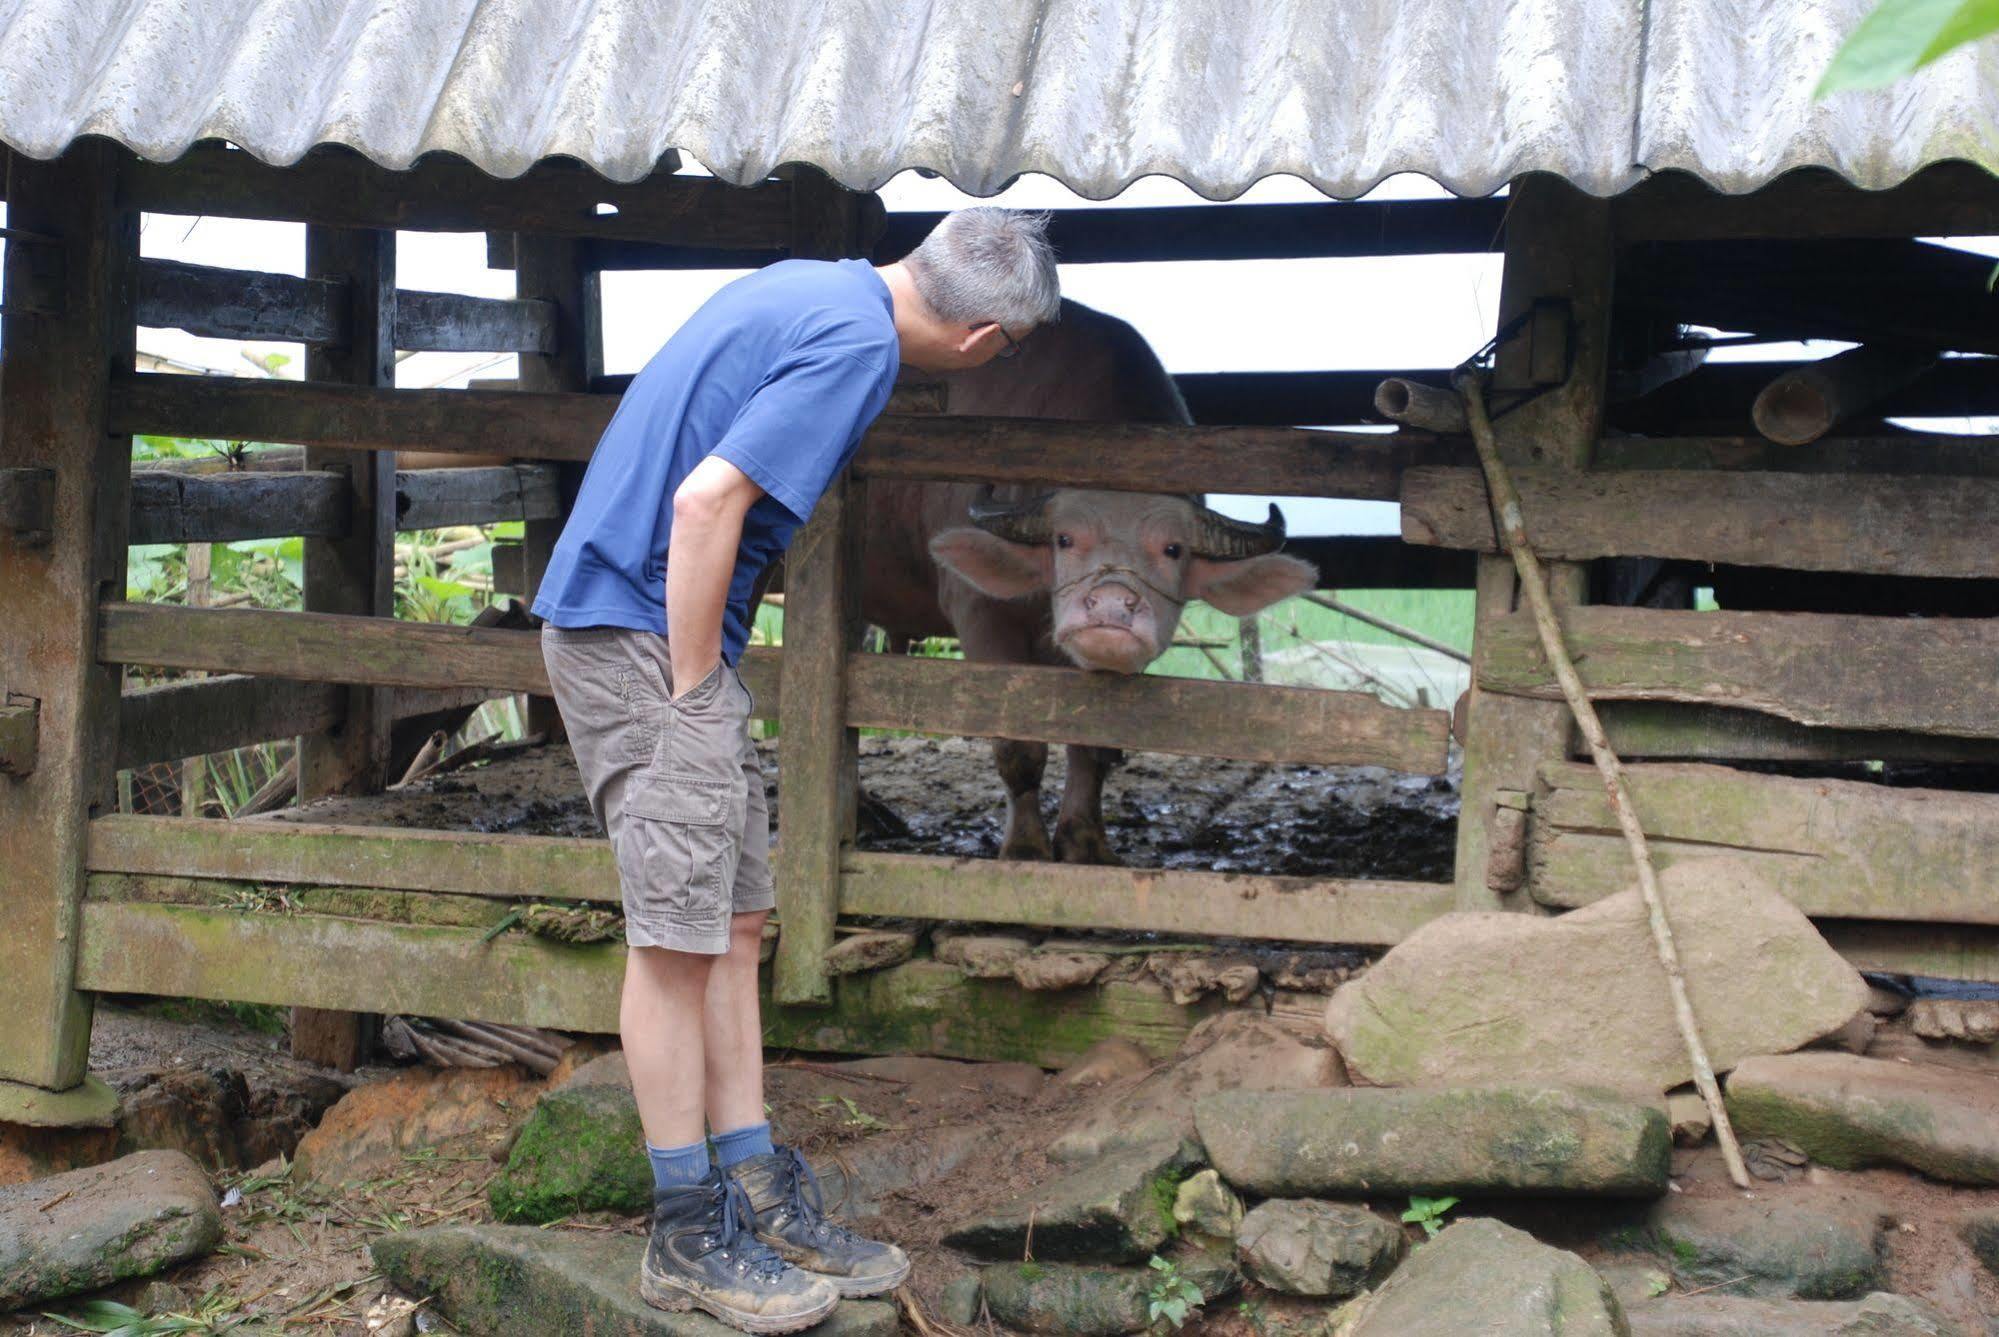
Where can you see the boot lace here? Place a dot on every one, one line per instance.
(806, 1202)
(735, 1241)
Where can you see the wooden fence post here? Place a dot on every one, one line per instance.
(552, 270)
(819, 766)
(354, 574)
(1558, 249)
(54, 382)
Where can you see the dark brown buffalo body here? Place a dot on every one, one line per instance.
(1085, 578)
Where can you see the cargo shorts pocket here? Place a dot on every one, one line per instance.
(679, 842)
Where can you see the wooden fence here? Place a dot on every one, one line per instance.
(379, 920)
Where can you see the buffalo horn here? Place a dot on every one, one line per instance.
(1024, 521)
(1217, 536)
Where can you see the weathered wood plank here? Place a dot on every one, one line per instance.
(1837, 848)
(1911, 454)
(1143, 712)
(1668, 731)
(1810, 522)
(449, 322)
(1940, 951)
(195, 717)
(221, 508)
(1234, 905)
(52, 383)
(464, 863)
(343, 189)
(220, 303)
(1923, 675)
(437, 498)
(329, 647)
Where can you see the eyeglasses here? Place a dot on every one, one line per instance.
(1012, 348)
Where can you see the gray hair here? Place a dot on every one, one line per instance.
(987, 263)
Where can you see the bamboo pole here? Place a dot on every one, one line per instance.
(1507, 502)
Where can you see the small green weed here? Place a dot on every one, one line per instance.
(1170, 1298)
(1427, 1212)
(213, 1312)
(856, 1117)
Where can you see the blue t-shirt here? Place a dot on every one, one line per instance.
(779, 373)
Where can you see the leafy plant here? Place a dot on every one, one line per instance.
(213, 1312)
(856, 1117)
(1427, 1212)
(1902, 36)
(1169, 1298)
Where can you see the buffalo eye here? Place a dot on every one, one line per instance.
(1173, 551)
(1064, 541)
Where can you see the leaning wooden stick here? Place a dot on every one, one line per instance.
(1506, 502)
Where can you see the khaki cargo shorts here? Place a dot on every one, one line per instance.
(675, 783)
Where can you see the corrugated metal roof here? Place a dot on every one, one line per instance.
(1217, 93)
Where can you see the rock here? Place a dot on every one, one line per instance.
(1106, 1061)
(1068, 1301)
(518, 1279)
(582, 1150)
(876, 949)
(35, 1153)
(1980, 1230)
(1206, 1206)
(366, 1132)
(218, 1118)
(91, 1103)
(1321, 1249)
(1633, 1281)
(1853, 1037)
(1886, 1002)
(1190, 976)
(1491, 997)
(1814, 1247)
(1972, 1020)
(87, 1228)
(859, 1182)
(1310, 972)
(1849, 1112)
(598, 1070)
(1688, 1115)
(1879, 1315)
(983, 956)
(1231, 1051)
(162, 1297)
(579, 1054)
(960, 1299)
(1466, 1140)
(1050, 971)
(1115, 1209)
(1479, 1276)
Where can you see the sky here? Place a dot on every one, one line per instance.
(1271, 315)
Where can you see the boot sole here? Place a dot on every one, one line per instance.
(663, 1293)
(850, 1288)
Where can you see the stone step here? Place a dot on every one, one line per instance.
(1479, 1276)
(1849, 1112)
(1067, 1300)
(1816, 1246)
(1878, 1315)
(1113, 1210)
(87, 1228)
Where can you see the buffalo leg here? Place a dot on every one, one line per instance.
(1020, 768)
(1079, 826)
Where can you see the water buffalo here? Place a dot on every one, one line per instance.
(1093, 579)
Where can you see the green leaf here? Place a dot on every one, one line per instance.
(1901, 36)
(510, 529)
(445, 589)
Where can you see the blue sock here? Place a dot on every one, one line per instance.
(677, 1167)
(739, 1144)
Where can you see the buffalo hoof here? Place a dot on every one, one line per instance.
(1028, 845)
(1083, 844)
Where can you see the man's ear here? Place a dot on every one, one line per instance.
(1251, 584)
(994, 565)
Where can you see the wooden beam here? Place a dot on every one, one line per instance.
(221, 508)
(1837, 848)
(1667, 731)
(340, 188)
(328, 647)
(1935, 951)
(449, 322)
(1954, 199)
(1918, 675)
(463, 863)
(219, 303)
(1813, 522)
(198, 716)
(1141, 712)
(1911, 454)
(27, 504)
(52, 384)
(1225, 905)
(438, 498)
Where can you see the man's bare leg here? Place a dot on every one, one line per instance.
(733, 1030)
(660, 1022)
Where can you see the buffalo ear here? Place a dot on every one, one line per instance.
(1250, 584)
(993, 565)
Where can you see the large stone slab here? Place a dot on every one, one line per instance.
(1491, 1139)
(1327, 1250)
(521, 1279)
(1582, 998)
(1113, 1210)
(87, 1228)
(1231, 1051)
(1849, 1112)
(1811, 1247)
(1064, 1300)
(1879, 1315)
(1479, 1276)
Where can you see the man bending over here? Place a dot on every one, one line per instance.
(716, 456)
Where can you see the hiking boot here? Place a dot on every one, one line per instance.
(784, 1194)
(703, 1253)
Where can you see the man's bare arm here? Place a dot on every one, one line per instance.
(708, 510)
